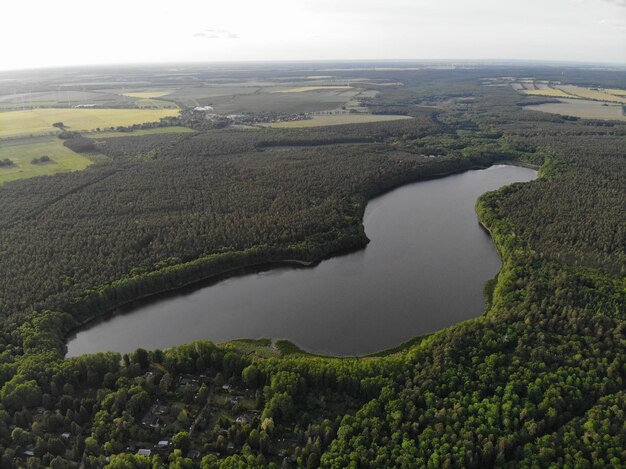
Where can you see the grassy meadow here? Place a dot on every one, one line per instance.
(39, 121)
(22, 152)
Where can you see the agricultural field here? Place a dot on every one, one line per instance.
(61, 98)
(140, 132)
(551, 92)
(39, 121)
(150, 103)
(583, 108)
(147, 94)
(300, 89)
(589, 93)
(336, 119)
(616, 92)
(305, 101)
(21, 152)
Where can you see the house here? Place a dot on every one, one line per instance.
(163, 444)
(243, 419)
(144, 452)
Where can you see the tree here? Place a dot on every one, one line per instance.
(182, 441)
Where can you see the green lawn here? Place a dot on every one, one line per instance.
(22, 151)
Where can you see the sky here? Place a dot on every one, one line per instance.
(48, 33)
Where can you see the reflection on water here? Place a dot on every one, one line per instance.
(423, 270)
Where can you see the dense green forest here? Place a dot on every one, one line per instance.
(537, 381)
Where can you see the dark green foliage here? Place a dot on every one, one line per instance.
(537, 382)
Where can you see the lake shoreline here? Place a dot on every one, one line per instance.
(247, 268)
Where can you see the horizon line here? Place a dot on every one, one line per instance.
(452, 61)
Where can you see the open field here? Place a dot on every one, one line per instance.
(588, 93)
(582, 108)
(60, 98)
(616, 92)
(150, 103)
(547, 92)
(320, 121)
(148, 94)
(39, 121)
(301, 89)
(306, 101)
(22, 151)
(137, 133)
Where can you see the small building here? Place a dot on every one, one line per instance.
(66, 435)
(144, 452)
(243, 419)
(193, 454)
(163, 444)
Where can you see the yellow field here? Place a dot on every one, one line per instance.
(148, 94)
(22, 151)
(39, 121)
(547, 92)
(319, 121)
(301, 89)
(616, 92)
(592, 94)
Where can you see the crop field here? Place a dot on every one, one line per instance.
(588, 93)
(616, 92)
(582, 108)
(60, 98)
(547, 92)
(150, 103)
(137, 133)
(320, 121)
(301, 89)
(306, 101)
(148, 94)
(39, 121)
(22, 152)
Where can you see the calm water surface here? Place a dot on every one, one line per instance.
(423, 270)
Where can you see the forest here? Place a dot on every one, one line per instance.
(537, 381)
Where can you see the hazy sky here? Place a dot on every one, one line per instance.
(66, 32)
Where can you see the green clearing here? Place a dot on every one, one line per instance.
(21, 152)
(39, 121)
(320, 121)
(137, 133)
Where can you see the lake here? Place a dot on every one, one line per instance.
(424, 269)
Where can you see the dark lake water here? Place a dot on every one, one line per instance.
(423, 270)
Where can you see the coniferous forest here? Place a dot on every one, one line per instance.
(539, 380)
